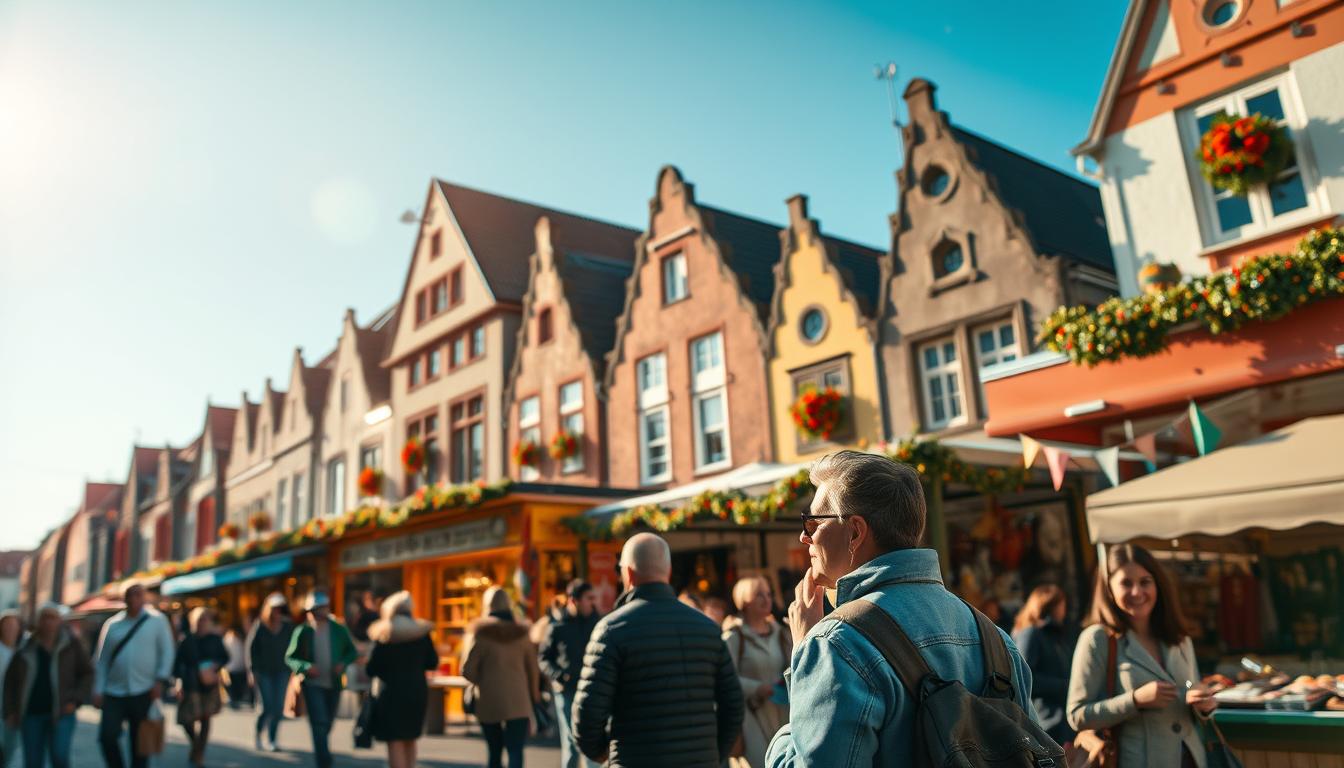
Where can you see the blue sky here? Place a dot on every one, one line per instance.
(190, 190)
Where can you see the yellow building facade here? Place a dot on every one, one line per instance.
(823, 333)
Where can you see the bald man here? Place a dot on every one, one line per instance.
(658, 686)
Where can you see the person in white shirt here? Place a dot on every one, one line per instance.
(11, 637)
(135, 655)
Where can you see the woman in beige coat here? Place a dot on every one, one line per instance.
(760, 647)
(502, 663)
(1157, 688)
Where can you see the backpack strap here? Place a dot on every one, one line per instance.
(887, 636)
(998, 664)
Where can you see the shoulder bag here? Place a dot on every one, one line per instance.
(1097, 748)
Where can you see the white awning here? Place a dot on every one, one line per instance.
(748, 478)
(1282, 480)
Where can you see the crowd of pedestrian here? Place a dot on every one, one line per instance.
(873, 656)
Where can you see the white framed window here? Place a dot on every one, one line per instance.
(281, 497)
(529, 428)
(299, 495)
(709, 402)
(940, 378)
(655, 462)
(994, 343)
(571, 420)
(674, 278)
(1290, 199)
(207, 461)
(335, 487)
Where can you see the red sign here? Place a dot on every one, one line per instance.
(602, 575)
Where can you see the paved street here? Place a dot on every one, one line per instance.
(231, 746)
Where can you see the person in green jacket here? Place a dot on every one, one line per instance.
(319, 651)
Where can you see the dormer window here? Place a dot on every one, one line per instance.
(948, 258)
(544, 326)
(436, 244)
(674, 278)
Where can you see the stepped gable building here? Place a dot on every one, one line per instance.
(698, 302)
(249, 480)
(986, 243)
(824, 334)
(456, 331)
(88, 549)
(206, 497)
(576, 288)
(357, 420)
(298, 442)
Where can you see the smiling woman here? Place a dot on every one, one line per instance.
(344, 210)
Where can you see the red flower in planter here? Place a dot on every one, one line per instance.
(259, 522)
(413, 456)
(1237, 153)
(565, 444)
(817, 414)
(229, 531)
(370, 481)
(526, 453)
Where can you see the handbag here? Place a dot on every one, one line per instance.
(149, 736)
(1095, 748)
(469, 695)
(363, 731)
(1219, 753)
(543, 714)
(295, 707)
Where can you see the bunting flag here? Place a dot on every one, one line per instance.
(1108, 459)
(1030, 450)
(1205, 432)
(1147, 445)
(1058, 461)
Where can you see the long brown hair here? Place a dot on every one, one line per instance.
(1168, 622)
(1041, 603)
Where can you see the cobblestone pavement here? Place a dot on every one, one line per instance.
(231, 746)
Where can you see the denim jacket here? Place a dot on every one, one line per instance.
(848, 707)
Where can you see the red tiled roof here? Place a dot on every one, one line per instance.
(11, 562)
(501, 234)
(145, 460)
(316, 381)
(372, 343)
(101, 496)
(221, 422)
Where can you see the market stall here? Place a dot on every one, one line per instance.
(236, 591)
(1254, 534)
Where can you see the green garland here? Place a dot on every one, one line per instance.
(429, 499)
(928, 457)
(1260, 289)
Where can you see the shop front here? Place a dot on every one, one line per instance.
(447, 560)
(1254, 535)
(236, 591)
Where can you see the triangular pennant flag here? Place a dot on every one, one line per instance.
(1030, 450)
(1058, 461)
(1147, 445)
(1206, 433)
(1109, 461)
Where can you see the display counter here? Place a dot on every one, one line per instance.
(1266, 738)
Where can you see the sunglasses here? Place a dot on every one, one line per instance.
(812, 522)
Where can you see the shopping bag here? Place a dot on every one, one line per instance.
(294, 704)
(364, 724)
(149, 736)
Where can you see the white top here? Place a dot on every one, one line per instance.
(146, 659)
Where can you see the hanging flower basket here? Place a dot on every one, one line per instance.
(1238, 153)
(413, 456)
(229, 531)
(370, 481)
(565, 444)
(526, 453)
(259, 522)
(818, 413)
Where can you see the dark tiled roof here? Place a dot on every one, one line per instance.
(372, 343)
(501, 234)
(145, 461)
(751, 248)
(861, 269)
(221, 421)
(12, 561)
(594, 289)
(101, 496)
(277, 410)
(1062, 214)
(315, 384)
(252, 409)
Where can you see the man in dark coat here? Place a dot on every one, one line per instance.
(562, 659)
(658, 686)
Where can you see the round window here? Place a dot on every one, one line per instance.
(1220, 13)
(814, 324)
(935, 181)
(952, 259)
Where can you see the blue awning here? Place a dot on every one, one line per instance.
(233, 573)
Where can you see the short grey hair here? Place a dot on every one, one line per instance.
(886, 494)
(649, 555)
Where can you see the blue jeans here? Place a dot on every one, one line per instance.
(272, 689)
(570, 756)
(43, 736)
(9, 744)
(321, 703)
(509, 735)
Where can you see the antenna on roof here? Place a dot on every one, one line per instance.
(887, 73)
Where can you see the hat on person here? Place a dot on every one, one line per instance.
(316, 599)
(53, 607)
(276, 600)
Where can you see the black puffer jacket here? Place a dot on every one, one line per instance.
(659, 672)
(562, 649)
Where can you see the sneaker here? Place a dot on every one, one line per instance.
(274, 747)
(258, 742)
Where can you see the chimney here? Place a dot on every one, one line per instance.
(797, 211)
(919, 100)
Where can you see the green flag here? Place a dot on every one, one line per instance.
(1206, 433)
